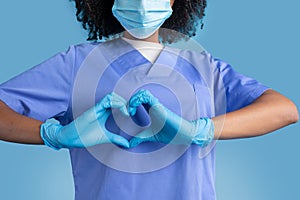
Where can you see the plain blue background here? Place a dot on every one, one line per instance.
(259, 38)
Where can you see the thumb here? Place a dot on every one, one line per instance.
(135, 142)
(117, 139)
(144, 136)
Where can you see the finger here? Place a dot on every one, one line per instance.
(144, 136)
(134, 102)
(124, 110)
(141, 97)
(112, 100)
(118, 140)
(119, 102)
(103, 118)
(116, 101)
(132, 110)
(105, 102)
(135, 142)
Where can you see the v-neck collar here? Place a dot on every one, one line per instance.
(163, 65)
(167, 56)
(140, 54)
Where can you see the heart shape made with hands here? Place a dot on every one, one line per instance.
(165, 126)
(155, 131)
(132, 117)
(90, 129)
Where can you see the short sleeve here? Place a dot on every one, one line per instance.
(43, 91)
(238, 89)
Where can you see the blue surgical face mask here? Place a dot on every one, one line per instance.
(141, 18)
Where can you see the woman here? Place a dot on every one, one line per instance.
(51, 90)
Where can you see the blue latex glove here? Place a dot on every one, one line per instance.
(165, 124)
(86, 130)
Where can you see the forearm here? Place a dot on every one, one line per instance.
(269, 112)
(18, 128)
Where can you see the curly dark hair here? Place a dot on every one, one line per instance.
(96, 17)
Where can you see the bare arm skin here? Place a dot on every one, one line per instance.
(18, 128)
(268, 113)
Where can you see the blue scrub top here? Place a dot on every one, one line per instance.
(190, 84)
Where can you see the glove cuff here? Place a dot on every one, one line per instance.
(204, 132)
(48, 131)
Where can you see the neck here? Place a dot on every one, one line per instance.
(152, 38)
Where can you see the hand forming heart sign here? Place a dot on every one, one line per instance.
(89, 128)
